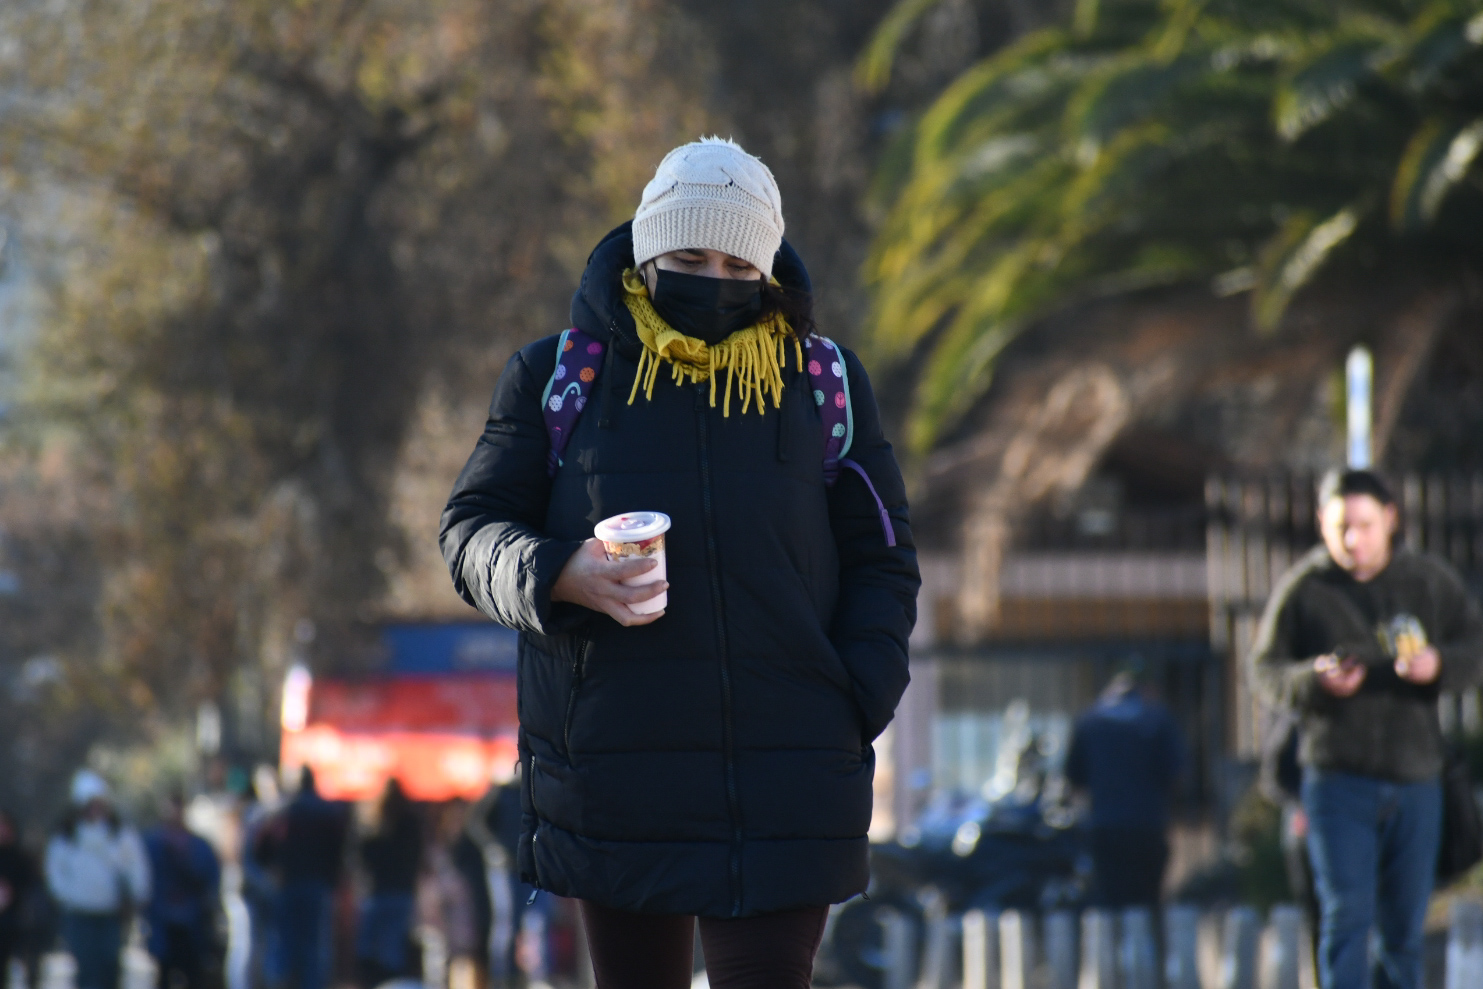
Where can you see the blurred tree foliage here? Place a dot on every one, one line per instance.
(263, 230)
(280, 252)
(1251, 144)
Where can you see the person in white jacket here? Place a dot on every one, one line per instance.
(96, 870)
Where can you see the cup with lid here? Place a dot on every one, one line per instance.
(638, 535)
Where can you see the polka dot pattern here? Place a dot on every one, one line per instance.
(580, 361)
(831, 396)
(567, 392)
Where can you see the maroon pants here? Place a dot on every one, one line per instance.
(656, 951)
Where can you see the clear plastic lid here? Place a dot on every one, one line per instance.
(632, 527)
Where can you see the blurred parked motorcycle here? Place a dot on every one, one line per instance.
(1021, 851)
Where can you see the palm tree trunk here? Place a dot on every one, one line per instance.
(1056, 445)
(1403, 353)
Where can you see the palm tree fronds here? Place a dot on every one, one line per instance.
(1021, 75)
(1235, 144)
(873, 70)
(1438, 46)
(1123, 97)
(1324, 86)
(1292, 258)
(1436, 160)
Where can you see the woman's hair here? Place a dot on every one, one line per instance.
(796, 308)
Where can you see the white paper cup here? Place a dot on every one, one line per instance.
(636, 535)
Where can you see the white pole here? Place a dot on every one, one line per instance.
(941, 950)
(1242, 939)
(1060, 949)
(980, 957)
(1181, 947)
(1137, 956)
(1284, 942)
(1359, 373)
(899, 940)
(1098, 951)
(1465, 945)
(1016, 951)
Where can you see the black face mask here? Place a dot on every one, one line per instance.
(709, 309)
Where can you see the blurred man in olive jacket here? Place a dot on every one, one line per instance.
(1357, 641)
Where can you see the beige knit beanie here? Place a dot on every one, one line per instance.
(710, 194)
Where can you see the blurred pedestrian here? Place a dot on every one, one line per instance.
(710, 755)
(306, 846)
(392, 857)
(1126, 754)
(185, 902)
(447, 898)
(468, 860)
(18, 875)
(260, 888)
(1358, 640)
(493, 826)
(97, 871)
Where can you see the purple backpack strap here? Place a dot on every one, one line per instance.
(578, 359)
(831, 387)
(880, 506)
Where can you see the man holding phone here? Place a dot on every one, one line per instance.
(1358, 640)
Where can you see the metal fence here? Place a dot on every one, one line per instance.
(1183, 948)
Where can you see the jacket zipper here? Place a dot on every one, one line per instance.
(579, 670)
(535, 836)
(717, 606)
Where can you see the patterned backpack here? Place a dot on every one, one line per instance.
(579, 358)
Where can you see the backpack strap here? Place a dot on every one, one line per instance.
(880, 506)
(831, 388)
(578, 358)
(830, 381)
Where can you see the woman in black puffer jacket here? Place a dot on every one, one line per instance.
(713, 759)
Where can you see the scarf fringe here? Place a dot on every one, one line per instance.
(753, 358)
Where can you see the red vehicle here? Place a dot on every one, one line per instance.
(439, 716)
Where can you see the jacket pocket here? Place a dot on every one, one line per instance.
(546, 679)
(847, 687)
(838, 672)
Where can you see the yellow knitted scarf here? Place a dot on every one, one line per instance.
(756, 355)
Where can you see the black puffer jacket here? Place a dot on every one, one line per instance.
(718, 761)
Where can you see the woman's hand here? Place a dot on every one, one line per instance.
(593, 581)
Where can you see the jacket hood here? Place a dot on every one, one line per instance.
(597, 305)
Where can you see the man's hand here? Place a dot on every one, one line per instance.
(1421, 667)
(1340, 677)
(593, 581)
